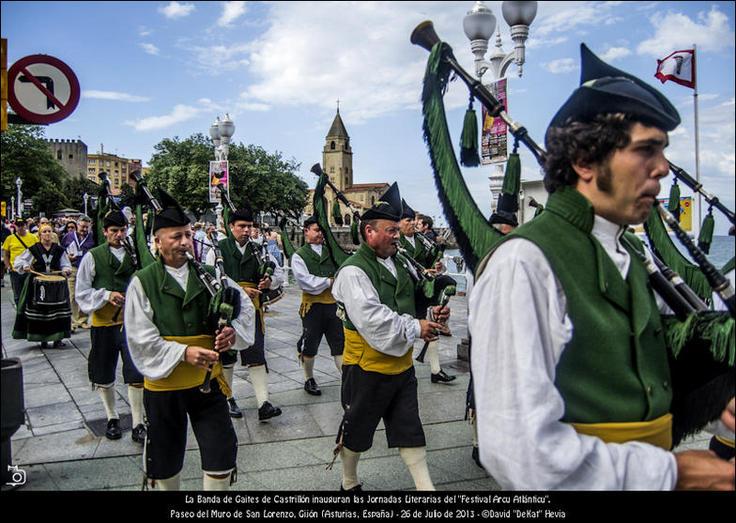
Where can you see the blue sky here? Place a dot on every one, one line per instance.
(152, 70)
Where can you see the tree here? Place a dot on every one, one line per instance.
(26, 155)
(74, 189)
(264, 180)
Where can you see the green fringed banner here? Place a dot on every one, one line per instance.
(469, 140)
(336, 214)
(141, 243)
(670, 255)
(674, 204)
(320, 210)
(475, 237)
(103, 206)
(706, 232)
(285, 240)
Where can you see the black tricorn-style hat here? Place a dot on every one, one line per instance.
(407, 212)
(244, 214)
(606, 89)
(387, 207)
(114, 218)
(172, 215)
(505, 210)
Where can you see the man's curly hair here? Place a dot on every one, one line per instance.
(586, 143)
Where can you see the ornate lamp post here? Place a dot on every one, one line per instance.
(85, 197)
(19, 197)
(479, 25)
(220, 132)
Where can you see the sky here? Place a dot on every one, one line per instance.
(155, 70)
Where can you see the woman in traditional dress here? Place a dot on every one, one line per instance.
(44, 313)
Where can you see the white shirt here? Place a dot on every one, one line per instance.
(26, 259)
(88, 298)
(156, 357)
(307, 281)
(277, 278)
(385, 330)
(411, 240)
(514, 356)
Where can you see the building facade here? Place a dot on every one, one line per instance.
(117, 168)
(337, 163)
(71, 154)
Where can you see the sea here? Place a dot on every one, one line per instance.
(722, 249)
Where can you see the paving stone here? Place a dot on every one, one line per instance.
(53, 414)
(103, 473)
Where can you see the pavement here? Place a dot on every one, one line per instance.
(62, 445)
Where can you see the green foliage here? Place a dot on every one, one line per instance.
(74, 189)
(25, 154)
(264, 180)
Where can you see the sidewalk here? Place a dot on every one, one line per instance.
(62, 446)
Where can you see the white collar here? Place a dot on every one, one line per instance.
(316, 247)
(609, 235)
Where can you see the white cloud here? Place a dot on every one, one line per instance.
(675, 31)
(176, 10)
(114, 95)
(217, 59)
(231, 11)
(574, 15)
(150, 48)
(543, 43)
(614, 53)
(245, 106)
(364, 59)
(144, 31)
(180, 113)
(561, 66)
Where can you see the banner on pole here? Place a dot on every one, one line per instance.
(219, 174)
(678, 67)
(493, 143)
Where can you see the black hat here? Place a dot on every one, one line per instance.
(387, 207)
(114, 218)
(19, 220)
(407, 211)
(171, 215)
(310, 221)
(244, 214)
(606, 89)
(506, 210)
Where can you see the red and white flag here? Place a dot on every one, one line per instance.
(678, 67)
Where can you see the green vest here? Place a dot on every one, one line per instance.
(175, 312)
(396, 293)
(417, 251)
(317, 265)
(615, 367)
(240, 267)
(111, 274)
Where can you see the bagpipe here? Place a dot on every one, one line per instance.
(224, 305)
(703, 379)
(445, 296)
(266, 266)
(339, 195)
(126, 243)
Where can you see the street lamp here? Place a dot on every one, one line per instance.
(215, 136)
(19, 197)
(85, 196)
(12, 207)
(479, 25)
(220, 132)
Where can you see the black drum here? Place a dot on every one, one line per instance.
(271, 296)
(49, 290)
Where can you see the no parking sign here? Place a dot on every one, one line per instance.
(42, 89)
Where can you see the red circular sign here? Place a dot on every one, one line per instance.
(52, 92)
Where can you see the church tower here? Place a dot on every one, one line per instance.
(337, 156)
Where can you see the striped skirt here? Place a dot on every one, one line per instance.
(44, 312)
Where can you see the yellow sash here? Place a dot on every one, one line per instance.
(358, 352)
(308, 299)
(106, 316)
(657, 432)
(256, 301)
(186, 375)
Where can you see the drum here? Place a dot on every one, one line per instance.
(50, 290)
(271, 296)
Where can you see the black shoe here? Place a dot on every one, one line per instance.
(356, 488)
(476, 457)
(235, 411)
(139, 434)
(44, 345)
(442, 377)
(113, 429)
(268, 411)
(312, 388)
(58, 344)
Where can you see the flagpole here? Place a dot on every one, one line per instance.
(697, 135)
